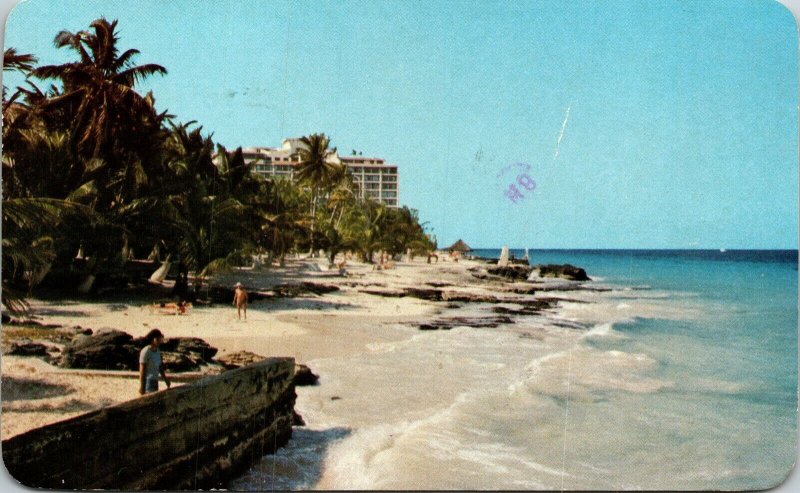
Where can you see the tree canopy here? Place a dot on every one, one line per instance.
(90, 166)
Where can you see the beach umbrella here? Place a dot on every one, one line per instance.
(459, 246)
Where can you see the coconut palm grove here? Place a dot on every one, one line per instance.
(96, 176)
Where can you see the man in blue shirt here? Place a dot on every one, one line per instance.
(150, 365)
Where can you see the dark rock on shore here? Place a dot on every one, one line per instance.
(424, 293)
(514, 272)
(386, 293)
(520, 289)
(186, 345)
(475, 322)
(105, 350)
(434, 294)
(525, 310)
(566, 271)
(117, 350)
(303, 288)
(438, 284)
(454, 296)
(303, 376)
(537, 304)
(27, 348)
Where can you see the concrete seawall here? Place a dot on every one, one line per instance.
(197, 436)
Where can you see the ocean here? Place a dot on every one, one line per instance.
(683, 375)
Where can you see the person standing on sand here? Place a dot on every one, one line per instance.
(150, 365)
(240, 300)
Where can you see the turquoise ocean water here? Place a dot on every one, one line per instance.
(732, 361)
(679, 374)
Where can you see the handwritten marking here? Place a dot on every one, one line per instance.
(513, 193)
(523, 166)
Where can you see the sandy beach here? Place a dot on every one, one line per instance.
(341, 324)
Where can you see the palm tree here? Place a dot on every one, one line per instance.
(283, 220)
(15, 114)
(363, 226)
(99, 90)
(29, 225)
(316, 165)
(18, 61)
(41, 164)
(316, 168)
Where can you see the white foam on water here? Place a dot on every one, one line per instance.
(590, 370)
(603, 330)
(485, 409)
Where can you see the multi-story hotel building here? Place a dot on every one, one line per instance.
(373, 176)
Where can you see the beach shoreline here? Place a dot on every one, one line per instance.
(426, 369)
(309, 327)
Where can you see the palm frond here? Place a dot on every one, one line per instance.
(23, 62)
(135, 75)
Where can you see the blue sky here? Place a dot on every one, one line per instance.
(683, 115)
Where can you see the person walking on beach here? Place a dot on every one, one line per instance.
(150, 365)
(240, 300)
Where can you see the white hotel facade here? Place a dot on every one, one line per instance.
(373, 176)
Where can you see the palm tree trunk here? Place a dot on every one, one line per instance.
(313, 217)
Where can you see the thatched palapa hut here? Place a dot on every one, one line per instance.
(459, 246)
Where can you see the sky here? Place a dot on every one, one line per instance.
(683, 115)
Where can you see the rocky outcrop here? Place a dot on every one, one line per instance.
(430, 294)
(105, 350)
(434, 294)
(238, 359)
(513, 272)
(566, 271)
(192, 437)
(117, 350)
(194, 347)
(303, 376)
(27, 348)
(438, 284)
(386, 293)
(460, 296)
(475, 322)
(303, 288)
(520, 288)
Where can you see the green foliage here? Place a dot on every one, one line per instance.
(89, 164)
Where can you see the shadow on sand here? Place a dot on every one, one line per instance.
(19, 389)
(298, 466)
(316, 303)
